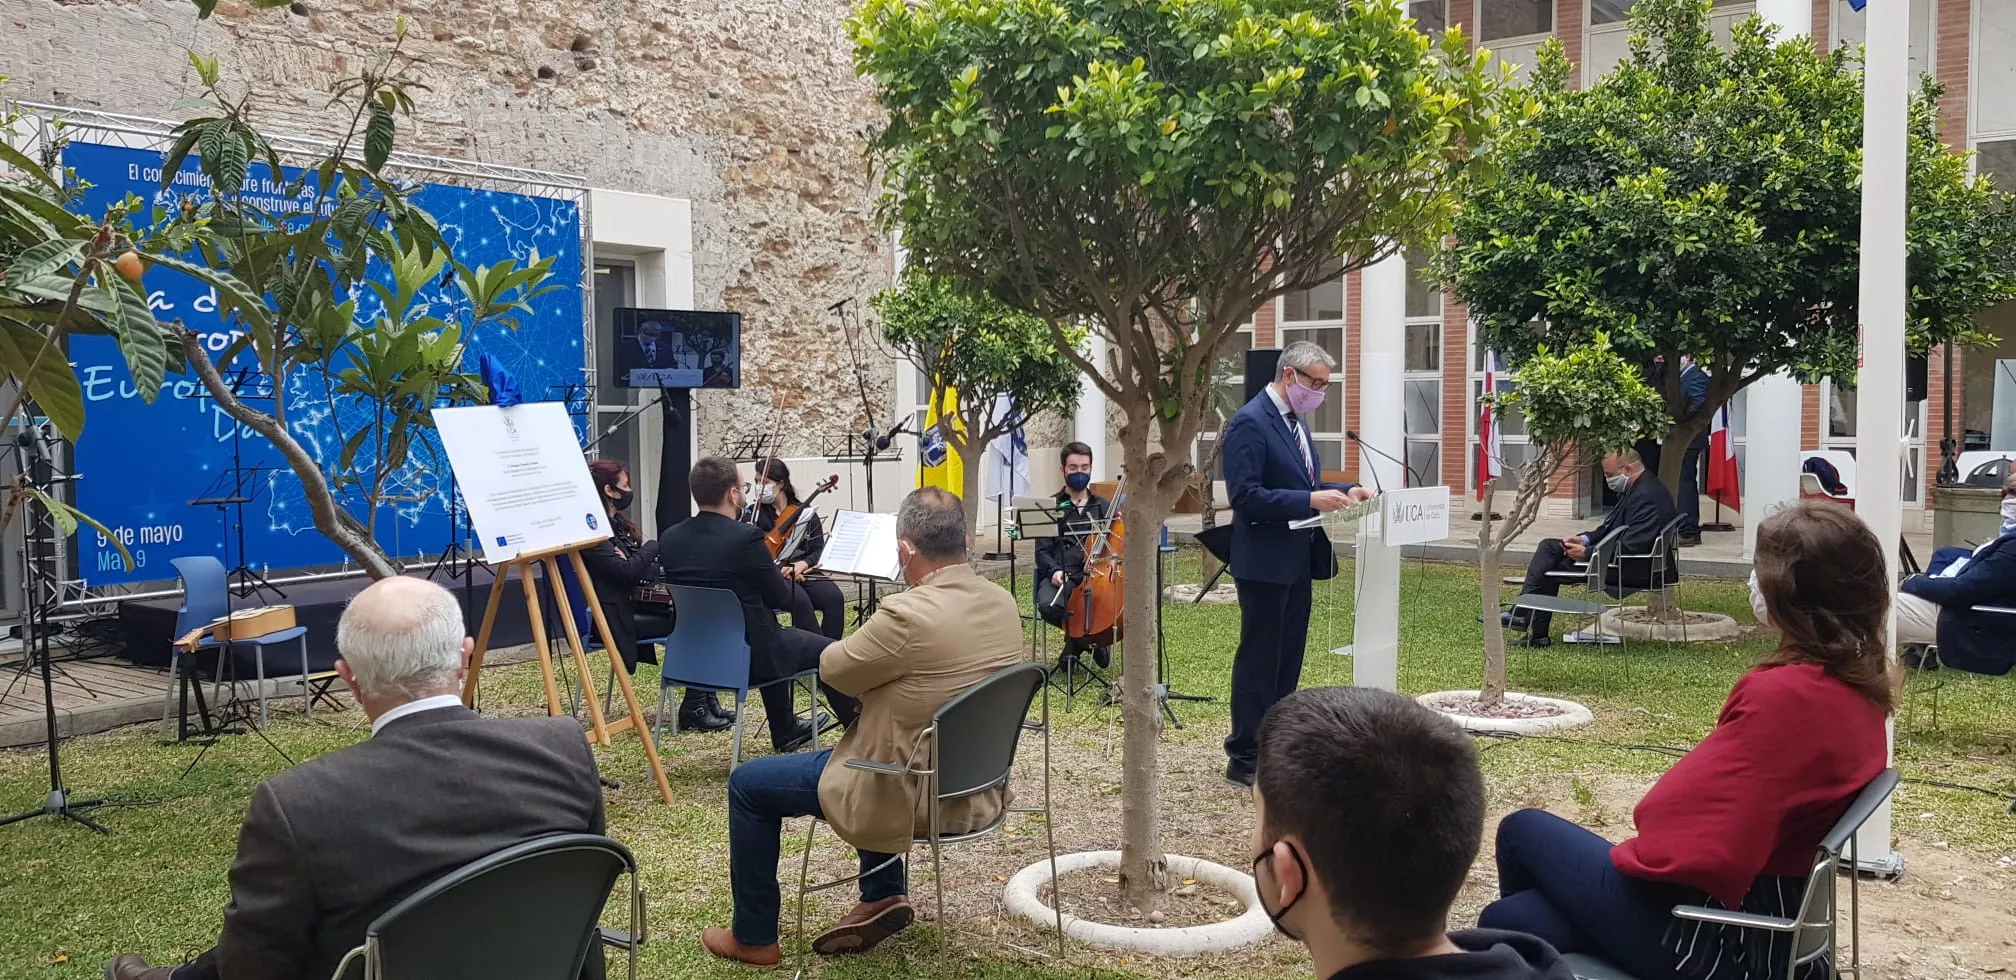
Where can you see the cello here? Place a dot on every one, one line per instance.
(1095, 613)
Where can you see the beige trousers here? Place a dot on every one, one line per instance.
(1917, 620)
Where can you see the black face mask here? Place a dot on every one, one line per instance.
(1077, 481)
(622, 499)
(1273, 915)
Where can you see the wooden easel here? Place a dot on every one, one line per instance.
(599, 729)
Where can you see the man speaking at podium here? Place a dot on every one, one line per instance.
(1273, 478)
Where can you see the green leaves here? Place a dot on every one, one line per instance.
(1705, 199)
(977, 346)
(1588, 398)
(35, 360)
(68, 517)
(378, 136)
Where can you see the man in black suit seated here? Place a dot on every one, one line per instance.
(333, 843)
(1643, 508)
(714, 549)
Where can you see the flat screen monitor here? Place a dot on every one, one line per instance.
(678, 348)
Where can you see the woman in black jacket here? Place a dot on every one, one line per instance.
(810, 591)
(617, 566)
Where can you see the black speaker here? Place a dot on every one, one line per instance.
(1260, 369)
(1917, 378)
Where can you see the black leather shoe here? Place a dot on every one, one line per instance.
(131, 967)
(1102, 656)
(1539, 640)
(717, 709)
(799, 737)
(699, 719)
(1239, 775)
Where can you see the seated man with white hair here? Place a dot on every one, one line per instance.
(331, 844)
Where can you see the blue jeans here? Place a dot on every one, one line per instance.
(762, 793)
(1557, 883)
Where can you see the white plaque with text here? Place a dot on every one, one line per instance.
(521, 472)
(1415, 515)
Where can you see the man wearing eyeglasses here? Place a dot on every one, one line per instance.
(1275, 481)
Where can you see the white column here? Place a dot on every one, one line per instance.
(1375, 636)
(1879, 415)
(1771, 454)
(1088, 422)
(1789, 18)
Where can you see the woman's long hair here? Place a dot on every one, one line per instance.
(1827, 588)
(774, 470)
(607, 473)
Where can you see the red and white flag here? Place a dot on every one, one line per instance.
(1722, 484)
(1490, 442)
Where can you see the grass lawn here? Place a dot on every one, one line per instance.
(70, 899)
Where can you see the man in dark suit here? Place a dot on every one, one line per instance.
(1643, 510)
(715, 550)
(1273, 478)
(1938, 606)
(333, 843)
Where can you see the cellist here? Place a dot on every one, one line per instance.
(1060, 561)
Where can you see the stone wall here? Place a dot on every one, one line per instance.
(751, 110)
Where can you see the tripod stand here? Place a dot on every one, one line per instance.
(31, 450)
(1164, 554)
(238, 486)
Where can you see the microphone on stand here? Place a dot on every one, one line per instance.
(1352, 434)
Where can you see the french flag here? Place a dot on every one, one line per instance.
(1490, 442)
(1722, 482)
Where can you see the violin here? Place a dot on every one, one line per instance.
(1095, 612)
(787, 518)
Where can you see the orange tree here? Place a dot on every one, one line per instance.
(1155, 170)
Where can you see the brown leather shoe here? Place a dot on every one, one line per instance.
(131, 967)
(870, 923)
(721, 942)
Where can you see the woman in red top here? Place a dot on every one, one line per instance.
(1736, 822)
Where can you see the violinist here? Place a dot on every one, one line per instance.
(811, 592)
(1060, 561)
(618, 565)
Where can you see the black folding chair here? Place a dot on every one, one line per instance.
(528, 912)
(1810, 934)
(969, 749)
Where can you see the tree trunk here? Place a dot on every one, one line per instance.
(1489, 551)
(1143, 869)
(1673, 452)
(969, 490)
(335, 523)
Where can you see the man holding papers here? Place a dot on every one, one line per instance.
(923, 647)
(1276, 485)
(714, 550)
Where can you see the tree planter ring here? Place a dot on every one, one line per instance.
(1249, 928)
(1573, 714)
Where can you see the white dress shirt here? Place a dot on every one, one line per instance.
(414, 708)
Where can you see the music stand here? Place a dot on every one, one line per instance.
(240, 485)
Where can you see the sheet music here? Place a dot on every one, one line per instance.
(863, 544)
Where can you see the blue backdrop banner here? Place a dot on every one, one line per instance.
(141, 465)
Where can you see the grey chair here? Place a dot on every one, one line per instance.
(529, 912)
(1930, 669)
(1601, 593)
(973, 739)
(1811, 934)
(1661, 570)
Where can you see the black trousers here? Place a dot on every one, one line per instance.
(1273, 630)
(799, 650)
(817, 606)
(1548, 557)
(1053, 603)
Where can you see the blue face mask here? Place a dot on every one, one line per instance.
(1077, 481)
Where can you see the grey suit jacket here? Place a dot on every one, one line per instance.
(334, 842)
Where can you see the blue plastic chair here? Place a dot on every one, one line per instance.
(206, 596)
(709, 651)
(584, 621)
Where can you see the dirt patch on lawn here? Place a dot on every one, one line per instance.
(1094, 894)
(1951, 916)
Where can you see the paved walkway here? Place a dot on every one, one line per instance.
(1719, 555)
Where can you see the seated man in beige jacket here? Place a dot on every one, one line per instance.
(950, 630)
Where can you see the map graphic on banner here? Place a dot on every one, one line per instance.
(141, 464)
